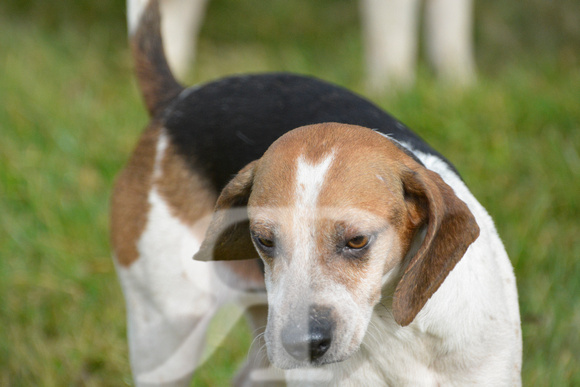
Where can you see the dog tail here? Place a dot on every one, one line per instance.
(156, 81)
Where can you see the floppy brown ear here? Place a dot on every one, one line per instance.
(228, 235)
(451, 228)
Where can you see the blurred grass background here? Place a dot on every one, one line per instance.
(70, 115)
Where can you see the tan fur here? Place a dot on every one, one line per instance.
(188, 194)
(129, 204)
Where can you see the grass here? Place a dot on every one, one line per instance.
(70, 115)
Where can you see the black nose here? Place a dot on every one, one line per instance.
(309, 341)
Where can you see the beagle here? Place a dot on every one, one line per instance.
(356, 245)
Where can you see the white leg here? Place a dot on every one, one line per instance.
(166, 327)
(390, 39)
(167, 350)
(181, 22)
(170, 300)
(448, 33)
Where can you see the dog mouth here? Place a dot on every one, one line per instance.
(304, 360)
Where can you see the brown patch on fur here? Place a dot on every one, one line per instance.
(188, 194)
(276, 176)
(130, 204)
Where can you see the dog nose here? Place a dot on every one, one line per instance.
(309, 342)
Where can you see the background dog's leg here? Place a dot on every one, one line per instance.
(181, 21)
(390, 40)
(448, 34)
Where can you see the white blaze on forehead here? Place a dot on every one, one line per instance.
(310, 179)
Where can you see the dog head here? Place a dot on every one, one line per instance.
(335, 211)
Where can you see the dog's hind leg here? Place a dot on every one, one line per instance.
(156, 227)
(170, 301)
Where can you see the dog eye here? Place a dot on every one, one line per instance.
(358, 242)
(268, 243)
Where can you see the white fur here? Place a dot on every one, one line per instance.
(309, 181)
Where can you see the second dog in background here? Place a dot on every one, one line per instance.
(390, 34)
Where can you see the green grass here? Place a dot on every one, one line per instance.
(70, 115)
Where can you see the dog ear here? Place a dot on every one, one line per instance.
(228, 235)
(451, 228)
